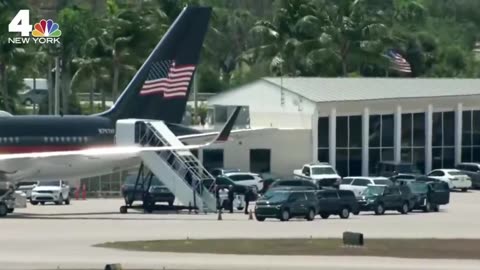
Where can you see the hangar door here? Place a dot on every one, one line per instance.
(260, 160)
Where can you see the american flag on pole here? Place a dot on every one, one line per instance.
(168, 78)
(398, 63)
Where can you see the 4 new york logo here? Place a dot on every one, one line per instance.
(45, 32)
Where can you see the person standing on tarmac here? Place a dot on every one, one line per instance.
(249, 196)
(231, 196)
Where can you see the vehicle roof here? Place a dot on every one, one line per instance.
(447, 170)
(469, 163)
(367, 177)
(239, 173)
(320, 164)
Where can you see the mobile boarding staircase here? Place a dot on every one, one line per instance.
(179, 170)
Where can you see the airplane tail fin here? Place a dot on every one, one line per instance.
(161, 87)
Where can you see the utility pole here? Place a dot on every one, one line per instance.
(57, 86)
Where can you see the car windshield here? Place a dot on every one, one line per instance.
(49, 183)
(276, 196)
(373, 191)
(346, 181)
(382, 182)
(26, 184)
(418, 188)
(322, 170)
(455, 173)
(241, 177)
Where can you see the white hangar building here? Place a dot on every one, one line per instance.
(352, 123)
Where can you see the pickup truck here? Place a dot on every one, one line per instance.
(322, 174)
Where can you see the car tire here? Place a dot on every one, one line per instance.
(170, 203)
(464, 189)
(436, 208)
(3, 210)
(344, 213)
(310, 214)
(60, 200)
(428, 207)
(239, 208)
(404, 209)
(261, 219)
(123, 209)
(285, 215)
(42, 203)
(10, 210)
(28, 102)
(324, 215)
(33, 202)
(67, 201)
(379, 210)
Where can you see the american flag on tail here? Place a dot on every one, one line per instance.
(168, 78)
(398, 63)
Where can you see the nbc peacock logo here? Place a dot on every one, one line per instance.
(46, 31)
(46, 28)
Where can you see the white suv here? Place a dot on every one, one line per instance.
(246, 179)
(359, 184)
(56, 191)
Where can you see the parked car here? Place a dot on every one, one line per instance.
(358, 184)
(455, 179)
(246, 179)
(57, 191)
(391, 168)
(26, 187)
(33, 96)
(382, 198)
(285, 204)
(157, 192)
(337, 202)
(221, 171)
(321, 174)
(473, 171)
(429, 195)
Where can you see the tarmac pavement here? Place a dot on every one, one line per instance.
(50, 236)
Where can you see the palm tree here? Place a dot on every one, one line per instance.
(351, 32)
(89, 68)
(275, 41)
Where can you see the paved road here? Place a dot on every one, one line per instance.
(41, 237)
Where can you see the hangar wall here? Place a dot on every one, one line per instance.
(289, 150)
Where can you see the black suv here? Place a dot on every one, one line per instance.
(429, 195)
(391, 168)
(337, 202)
(284, 204)
(382, 198)
(307, 184)
(157, 192)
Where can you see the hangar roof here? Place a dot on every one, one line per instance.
(354, 89)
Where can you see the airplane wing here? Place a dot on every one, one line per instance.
(235, 134)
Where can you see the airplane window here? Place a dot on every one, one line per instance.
(11, 139)
(85, 139)
(57, 139)
(68, 139)
(17, 139)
